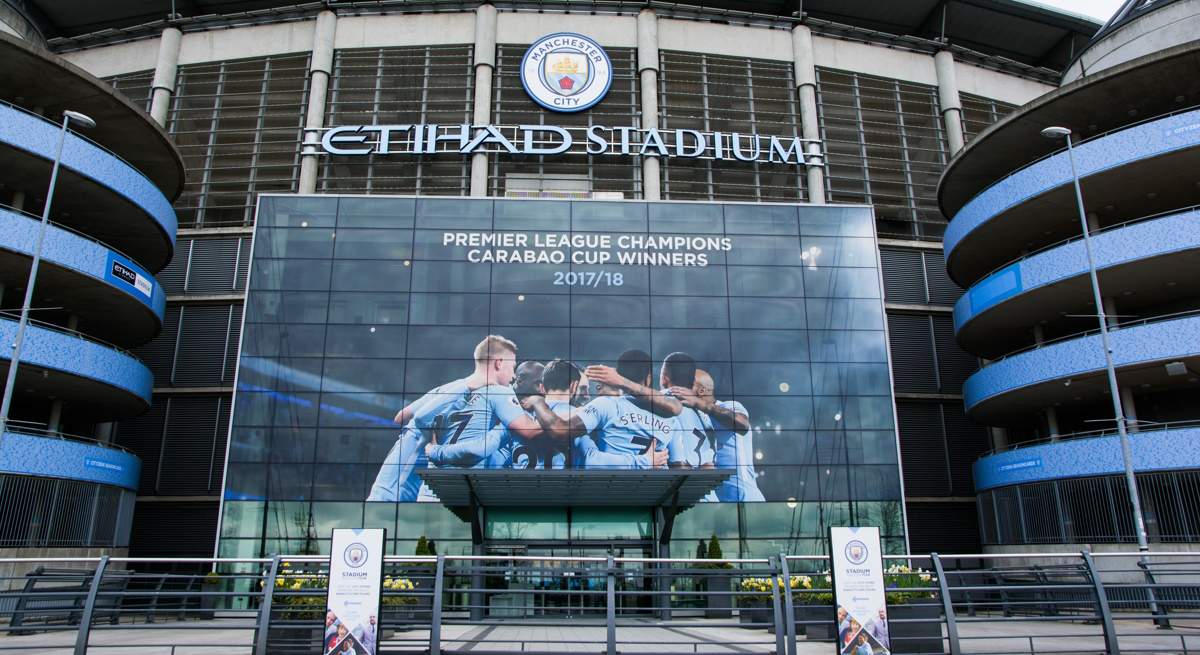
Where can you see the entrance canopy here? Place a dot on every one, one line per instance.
(674, 488)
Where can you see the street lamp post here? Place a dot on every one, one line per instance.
(19, 340)
(1056, 132)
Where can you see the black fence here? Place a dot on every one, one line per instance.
(977, 603)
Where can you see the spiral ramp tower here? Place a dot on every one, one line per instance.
(64, 488)
(1015, 243)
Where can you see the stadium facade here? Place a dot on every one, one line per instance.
(339, 228)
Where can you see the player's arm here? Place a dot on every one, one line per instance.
(465, 453)
(425, 408)
(552, 424)
(594, 458)
(647, 397)
(728, 418)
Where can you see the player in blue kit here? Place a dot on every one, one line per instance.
(495, 449)
(465, 408)
(692, 435)
(734, 438)
(635, 425)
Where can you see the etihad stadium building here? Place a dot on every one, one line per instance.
(364, 191)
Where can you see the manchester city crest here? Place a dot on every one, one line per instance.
(856, 552)
(355, 555)
(566, 72)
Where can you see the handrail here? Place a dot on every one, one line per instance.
(48, 434)
(1154, 427)
(1076, 335)
(72, 230)
(75, 333)
(1076, 144)
(1092, 233)
(84, 138)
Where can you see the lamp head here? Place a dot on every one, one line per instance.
(1056, 132)
(82, 120)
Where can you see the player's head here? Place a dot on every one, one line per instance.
(635, 365)
(678, 370)
(561, 376)
(582, 391)
(342, 630)
(497, 357)
(704, 384)
(528, 380)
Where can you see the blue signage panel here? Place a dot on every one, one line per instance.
(27, 454)
(122, 272)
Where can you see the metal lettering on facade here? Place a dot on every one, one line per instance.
(429, 139)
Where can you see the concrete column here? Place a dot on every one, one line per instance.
(999, 438)
(55, 419)
(647, 47)
(1039, 337)
(1130, 408)
(319, 69)
(485, 67)
(103, 432)
(18, 200)
(949, 101)
(806, 88)
(164, 74)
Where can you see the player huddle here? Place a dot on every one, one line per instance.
(543, 416)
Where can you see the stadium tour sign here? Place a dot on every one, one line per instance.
(565, 73)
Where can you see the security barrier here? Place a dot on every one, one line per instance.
(956, 604)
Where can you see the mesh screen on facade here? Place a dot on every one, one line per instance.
(424, 85)
(590, 174)
(134, 86)
(728, 94)
(238, 126)
(885, 146)
(979, 112)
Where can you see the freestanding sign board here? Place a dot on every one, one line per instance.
(355, 585)
(858, 592)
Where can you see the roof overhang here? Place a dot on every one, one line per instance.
(672, 488)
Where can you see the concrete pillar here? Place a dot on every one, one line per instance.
(1130, 408)
(806, 88)
(320, 67)
(485, 67)
(18, 200)
(948, 100)
(103, 432)
(999, 438)
(55, 418)
(165, 70)
(647, 46)
(1039, 337)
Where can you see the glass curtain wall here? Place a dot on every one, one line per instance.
(359, 306)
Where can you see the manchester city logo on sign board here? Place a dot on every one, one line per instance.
(355, 555)
(856, 552)
(566, 72)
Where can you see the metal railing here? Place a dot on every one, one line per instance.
(1060, 602)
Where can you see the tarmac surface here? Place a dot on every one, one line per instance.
(982, 635)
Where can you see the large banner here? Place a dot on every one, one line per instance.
(355, 577)
(858, 592)
(387, 337)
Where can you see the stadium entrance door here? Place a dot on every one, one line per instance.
(531, 587)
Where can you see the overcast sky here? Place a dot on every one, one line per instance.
(1101, 10)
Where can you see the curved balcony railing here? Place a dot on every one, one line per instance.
(1151, 138)
(73, 250)
(1167, 447)
(34, 134)
(1144, 341)
(29, 451)
(1143, 238)
(51, 347)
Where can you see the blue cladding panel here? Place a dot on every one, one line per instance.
(76, 355)
(66, 249)
(26, 454)
(1168, 339)
(1115, 247)
(38, 136)
(1160, 450)
(1144, 141)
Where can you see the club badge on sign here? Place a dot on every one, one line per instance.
(566, 72)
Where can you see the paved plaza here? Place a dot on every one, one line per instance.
(986, 635)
